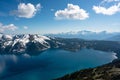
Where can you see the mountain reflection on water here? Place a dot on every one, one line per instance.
(50, 64)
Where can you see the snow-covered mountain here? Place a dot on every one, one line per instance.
(23, 43)
(87, 35)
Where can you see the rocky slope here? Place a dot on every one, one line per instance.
(23, 43)
(109, 71)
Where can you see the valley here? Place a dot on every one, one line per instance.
(68, 49)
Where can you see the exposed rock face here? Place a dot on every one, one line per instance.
(23, 43)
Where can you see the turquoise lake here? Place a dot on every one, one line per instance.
(50, 64)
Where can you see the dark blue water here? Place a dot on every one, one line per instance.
(50, 64)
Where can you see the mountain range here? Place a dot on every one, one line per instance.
(114, 38)
(34, 44)
(23, 43)
(89, 35)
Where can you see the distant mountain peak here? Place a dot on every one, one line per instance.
(85, 34)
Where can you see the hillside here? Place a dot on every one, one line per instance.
(109, 71)
(114, 38)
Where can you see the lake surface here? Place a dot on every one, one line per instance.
(50, 64)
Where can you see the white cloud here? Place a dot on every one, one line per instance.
(26, 10)
(111, 0)
(108, 11)
(72, 12)
(25, 27)
(10, 27)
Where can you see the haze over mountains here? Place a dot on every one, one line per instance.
(89, 35)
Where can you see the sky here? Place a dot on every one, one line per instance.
(56, 16)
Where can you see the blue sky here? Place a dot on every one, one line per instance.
(54, 16)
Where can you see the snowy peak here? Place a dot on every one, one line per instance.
(24, 38)
(6, 37)
(23, 43)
